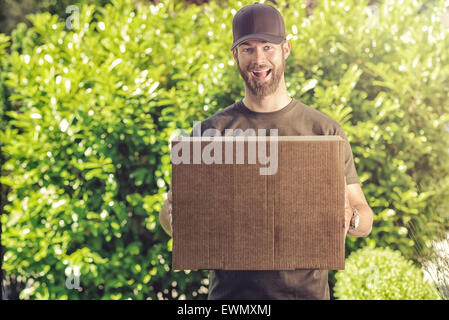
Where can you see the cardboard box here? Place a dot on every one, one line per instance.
(246, 216)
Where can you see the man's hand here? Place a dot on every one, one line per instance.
(165, 216)
(348, 210)
(169, 198)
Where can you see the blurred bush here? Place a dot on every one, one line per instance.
(381, 274)
(380, 71)
(89, 113)
(13, 12)
(3, 67)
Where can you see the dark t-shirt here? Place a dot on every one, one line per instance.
(295, 119)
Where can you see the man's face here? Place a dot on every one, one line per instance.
(261, 65)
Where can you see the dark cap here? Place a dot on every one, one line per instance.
(258, 21)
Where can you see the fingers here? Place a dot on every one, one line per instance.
(170, 199)
(348, 210)
(346, 200)
(346, 195)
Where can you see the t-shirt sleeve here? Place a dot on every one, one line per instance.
(196, 130)
(350, 170)
(204, 129)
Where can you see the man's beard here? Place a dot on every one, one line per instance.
(262, 89)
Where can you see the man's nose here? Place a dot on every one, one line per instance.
(259, 56)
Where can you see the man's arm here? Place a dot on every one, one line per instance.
(165, 217)
(357, 199)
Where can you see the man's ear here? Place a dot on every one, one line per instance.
(234, 54)
(286, 46)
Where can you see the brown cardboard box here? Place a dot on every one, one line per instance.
(230, 216)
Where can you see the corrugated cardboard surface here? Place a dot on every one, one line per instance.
(229, 216)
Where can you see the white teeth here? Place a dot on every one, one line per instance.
(261, 70)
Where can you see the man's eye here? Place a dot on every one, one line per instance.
(268, 47)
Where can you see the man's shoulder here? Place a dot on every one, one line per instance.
(219, 119)
(316, 116)
(226, 112)
(319, 121)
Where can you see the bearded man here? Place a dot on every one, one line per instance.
(260, 49)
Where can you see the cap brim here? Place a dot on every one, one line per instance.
(258, 36)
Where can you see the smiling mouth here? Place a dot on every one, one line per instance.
(261, 74)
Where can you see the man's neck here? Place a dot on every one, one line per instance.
(269, 103)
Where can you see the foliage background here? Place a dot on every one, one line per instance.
(381, 274)
(87, 115)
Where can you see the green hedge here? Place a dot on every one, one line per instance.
(90, 113)
(382, 274)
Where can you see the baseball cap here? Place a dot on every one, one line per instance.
(258, 21)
